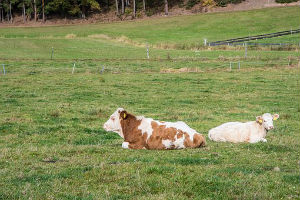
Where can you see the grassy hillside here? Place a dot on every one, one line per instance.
(53, 146)
(182, 29)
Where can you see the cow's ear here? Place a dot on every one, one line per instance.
(259, 119)
(124, 115)
(275, 116)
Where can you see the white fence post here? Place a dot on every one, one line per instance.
(147, 51)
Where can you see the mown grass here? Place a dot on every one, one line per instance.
(182, 30)
(53, 146)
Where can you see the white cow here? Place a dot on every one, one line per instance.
(252, 132)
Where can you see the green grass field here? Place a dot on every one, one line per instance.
(53, 146)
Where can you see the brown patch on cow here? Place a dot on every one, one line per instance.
(131, 133)
(198, 141)
(159, 133)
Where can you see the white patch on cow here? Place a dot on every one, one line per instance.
(167, 143)
(146, 126)
(179, 142)
(181, 126)
(125, 145)
(253, 131)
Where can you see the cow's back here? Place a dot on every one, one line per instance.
(230, 132)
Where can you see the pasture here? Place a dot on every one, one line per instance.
(53, 146)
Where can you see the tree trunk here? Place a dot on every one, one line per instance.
(117, 7)
(24, 12)
(35, 16)
(1, 18)
(166, 8)
(43, 10)
(11, 18)
(123, 8)
(134, 11)
(83, 12)
(144, 6)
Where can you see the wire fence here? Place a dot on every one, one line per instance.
(256, 37)
(34, 67)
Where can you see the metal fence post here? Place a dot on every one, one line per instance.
(52, 53)
(246, 49)
(4, 72)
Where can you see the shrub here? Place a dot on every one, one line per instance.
(191, 3)
(225, 2)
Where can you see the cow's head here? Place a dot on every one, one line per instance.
(266, 120)
(114, 124)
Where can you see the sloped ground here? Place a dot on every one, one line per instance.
(252, 4)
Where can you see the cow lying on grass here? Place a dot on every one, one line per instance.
(139, 132)
(254, 131)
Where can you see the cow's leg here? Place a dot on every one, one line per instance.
(125, 145)
(254, 139)
(263, 140)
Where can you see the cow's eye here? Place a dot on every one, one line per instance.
(112, 118)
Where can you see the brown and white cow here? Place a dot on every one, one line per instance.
(139, 132)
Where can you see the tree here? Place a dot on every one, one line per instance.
(166, 8)
(144, 6)
(34, 8)
(117, 7)
(134, 9)
(43, 9)
(123, 8)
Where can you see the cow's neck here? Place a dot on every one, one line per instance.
(261, 129)
(129, 126)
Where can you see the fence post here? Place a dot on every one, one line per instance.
(52, 53)
(246, 48)
(73, 69)
(147, 51)
(230, 66)
(289, 61)
(4, 72)
(205, 42)
(102, 70)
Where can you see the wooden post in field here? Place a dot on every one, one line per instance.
(205, 42)
(230, 66)
(147, 51)
(289, 61)
(73, 68)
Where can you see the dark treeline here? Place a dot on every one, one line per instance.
(40, 10)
